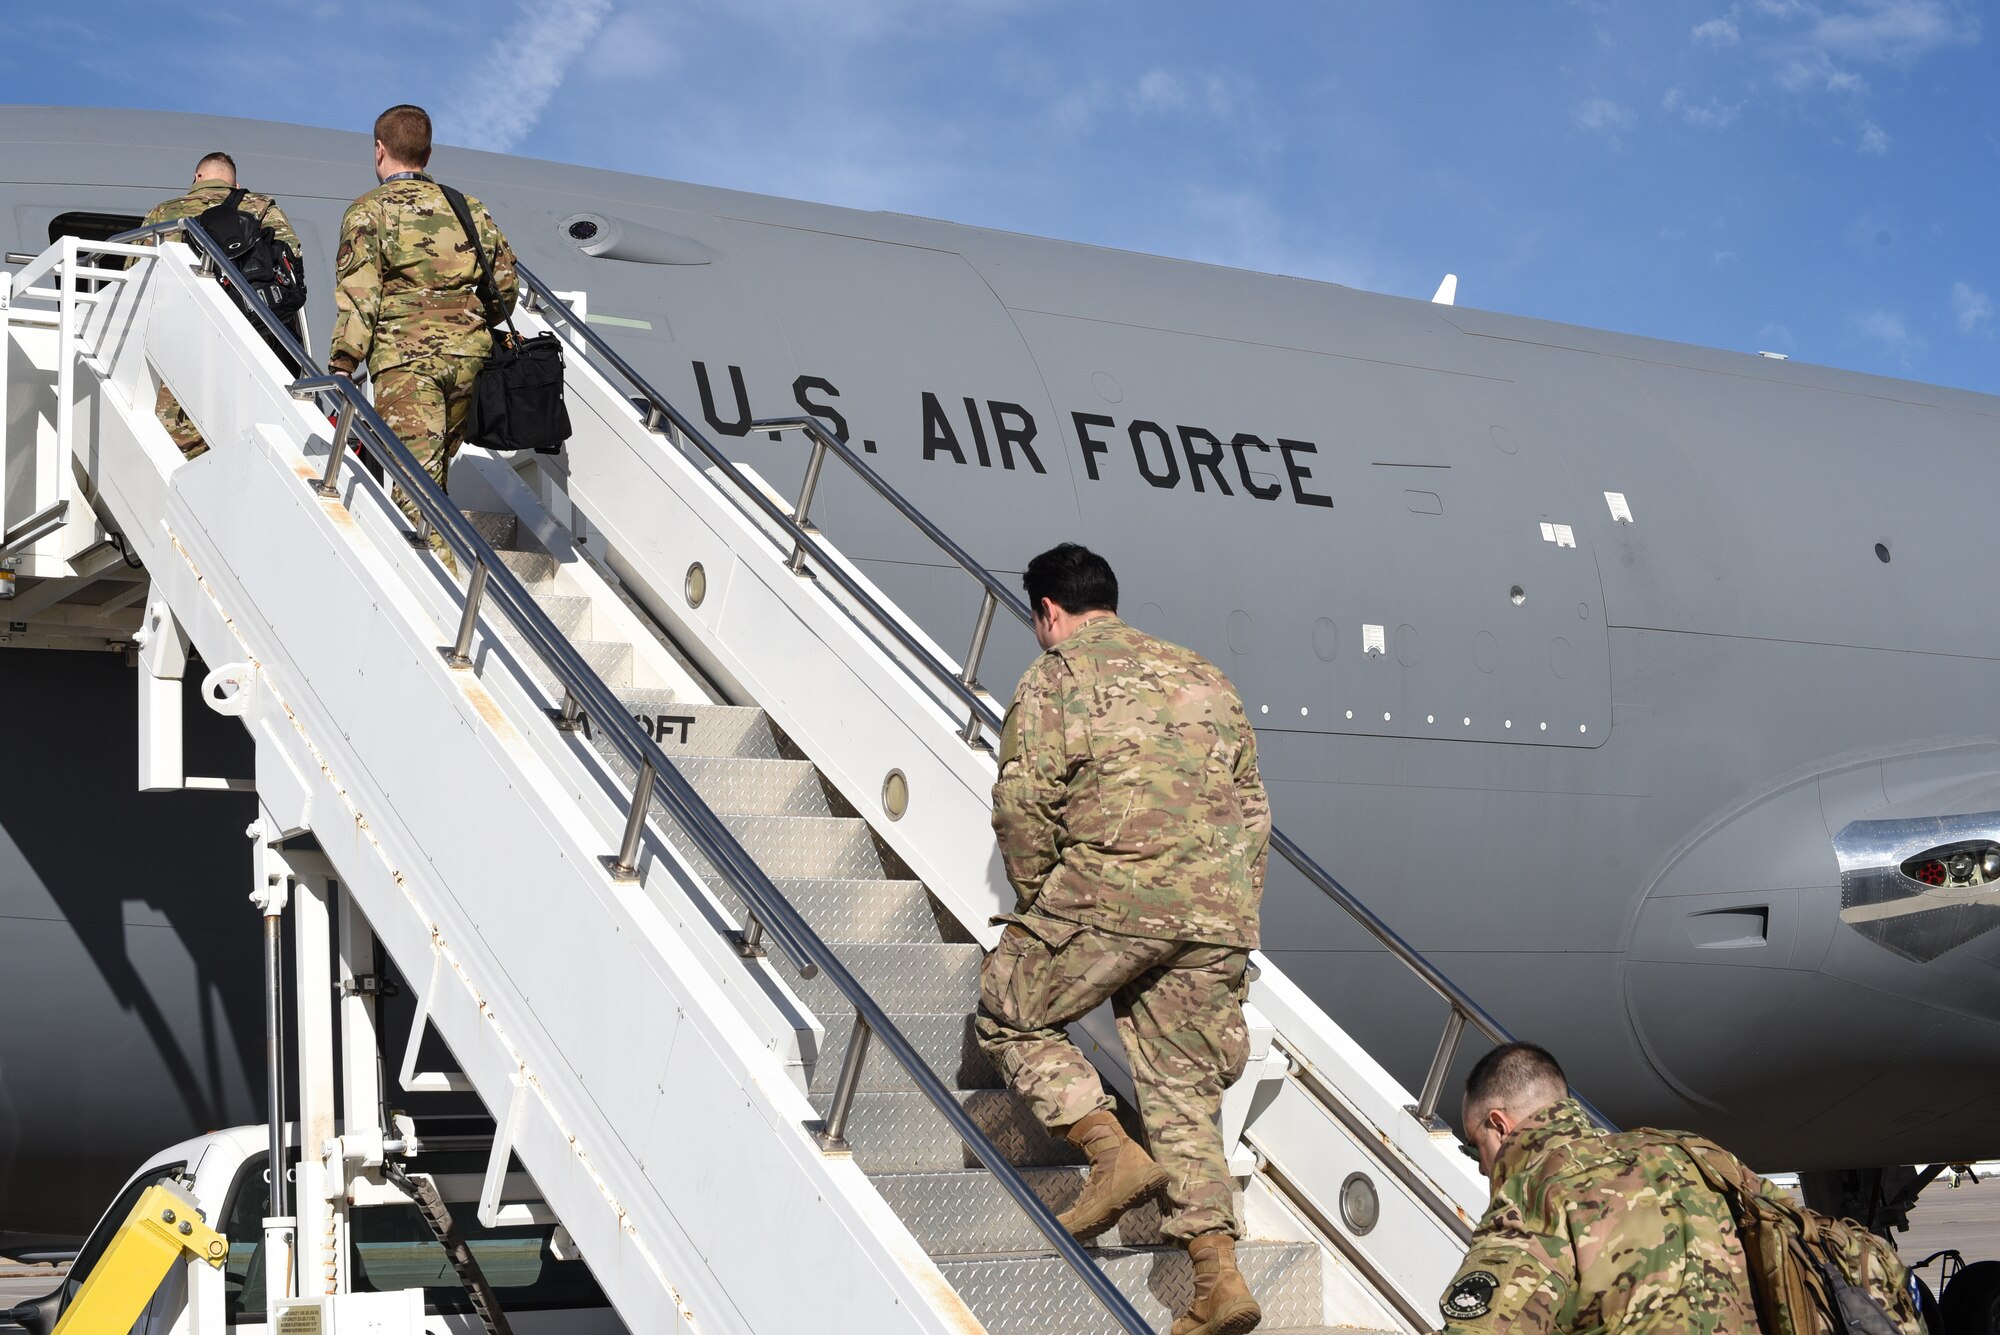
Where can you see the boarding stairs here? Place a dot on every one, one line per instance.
(677, 828)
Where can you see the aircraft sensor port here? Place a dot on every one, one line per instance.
(1956, 866)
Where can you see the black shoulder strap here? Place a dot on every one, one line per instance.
(489, 295)
(233, 201)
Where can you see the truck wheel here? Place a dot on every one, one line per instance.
(1971, 1302)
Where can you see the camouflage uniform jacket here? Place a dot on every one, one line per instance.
(1590, 1232)
(1128, 796)
(406, 280)
(208, 194)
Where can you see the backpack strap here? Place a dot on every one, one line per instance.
(489, 295)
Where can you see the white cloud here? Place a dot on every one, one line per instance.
(1718, 32)
(1888, 329)
(816, 23)
(1603, 116)
(505, 94)
(1874, 140)
(1972, 307)
(1712, 115)
(633, 45)
(1777, 338)
(1158, 92)
(1894, 32)
(1815, 45)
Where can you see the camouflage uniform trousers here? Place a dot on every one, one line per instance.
(1180, 1014)
(425, 401)
(178, 424)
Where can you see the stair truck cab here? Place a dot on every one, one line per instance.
(393, 1273)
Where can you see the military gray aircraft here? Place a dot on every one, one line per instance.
(1639, 685)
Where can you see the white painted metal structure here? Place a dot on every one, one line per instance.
(808, 771)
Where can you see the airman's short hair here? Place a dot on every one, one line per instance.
(1075, 578)
(218, 159)
(1519, 1077)
(405, 130)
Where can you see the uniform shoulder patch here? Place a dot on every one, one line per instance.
(1470, 1297)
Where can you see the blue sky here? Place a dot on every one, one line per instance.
(1814, 177)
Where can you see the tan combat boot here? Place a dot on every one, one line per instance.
(1222, 1303)
(1121, 1175)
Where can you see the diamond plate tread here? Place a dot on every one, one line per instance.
(839, 847)
(945, 1042)
(862, 910)
(611, 660)
(903, 1132)
(752, 786)
(501, 531)
(900, 975)
(969, 1213)
(1041, 1295)
(688, 729)
(570, 612)
(536, 570)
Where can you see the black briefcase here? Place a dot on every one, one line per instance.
(517, 402)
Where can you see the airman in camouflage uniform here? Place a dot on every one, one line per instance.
(1589, 1231)
(1134, 826)
(406, 295)
(214, 178)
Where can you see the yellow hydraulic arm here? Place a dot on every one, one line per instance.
(164, 1227)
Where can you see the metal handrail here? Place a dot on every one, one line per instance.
(772, 911)
(796, 526)
(960, 684)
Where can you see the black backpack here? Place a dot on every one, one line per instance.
(267, 264)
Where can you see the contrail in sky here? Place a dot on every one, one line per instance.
(505, 95)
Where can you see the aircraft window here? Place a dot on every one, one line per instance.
(91, 226)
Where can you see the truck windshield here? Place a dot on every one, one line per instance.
(392, 1248)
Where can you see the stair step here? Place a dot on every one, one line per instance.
(809, 846)
(970, 1213)
(693, 729)
(569, 611)
(611, 660)
(535, 570)
(1041, 1295)
(944, 1041)
(758, 786)
(903, 1132)
(847, 910)
(501, 530)
(901, 976)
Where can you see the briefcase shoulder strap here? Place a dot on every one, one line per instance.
(489, 295)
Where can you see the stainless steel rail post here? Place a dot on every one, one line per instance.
(806, 490)
(625, 866)
(833, 1138)
(458, 653)
(343, 429)
(969, 674)
(1427, 1102)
